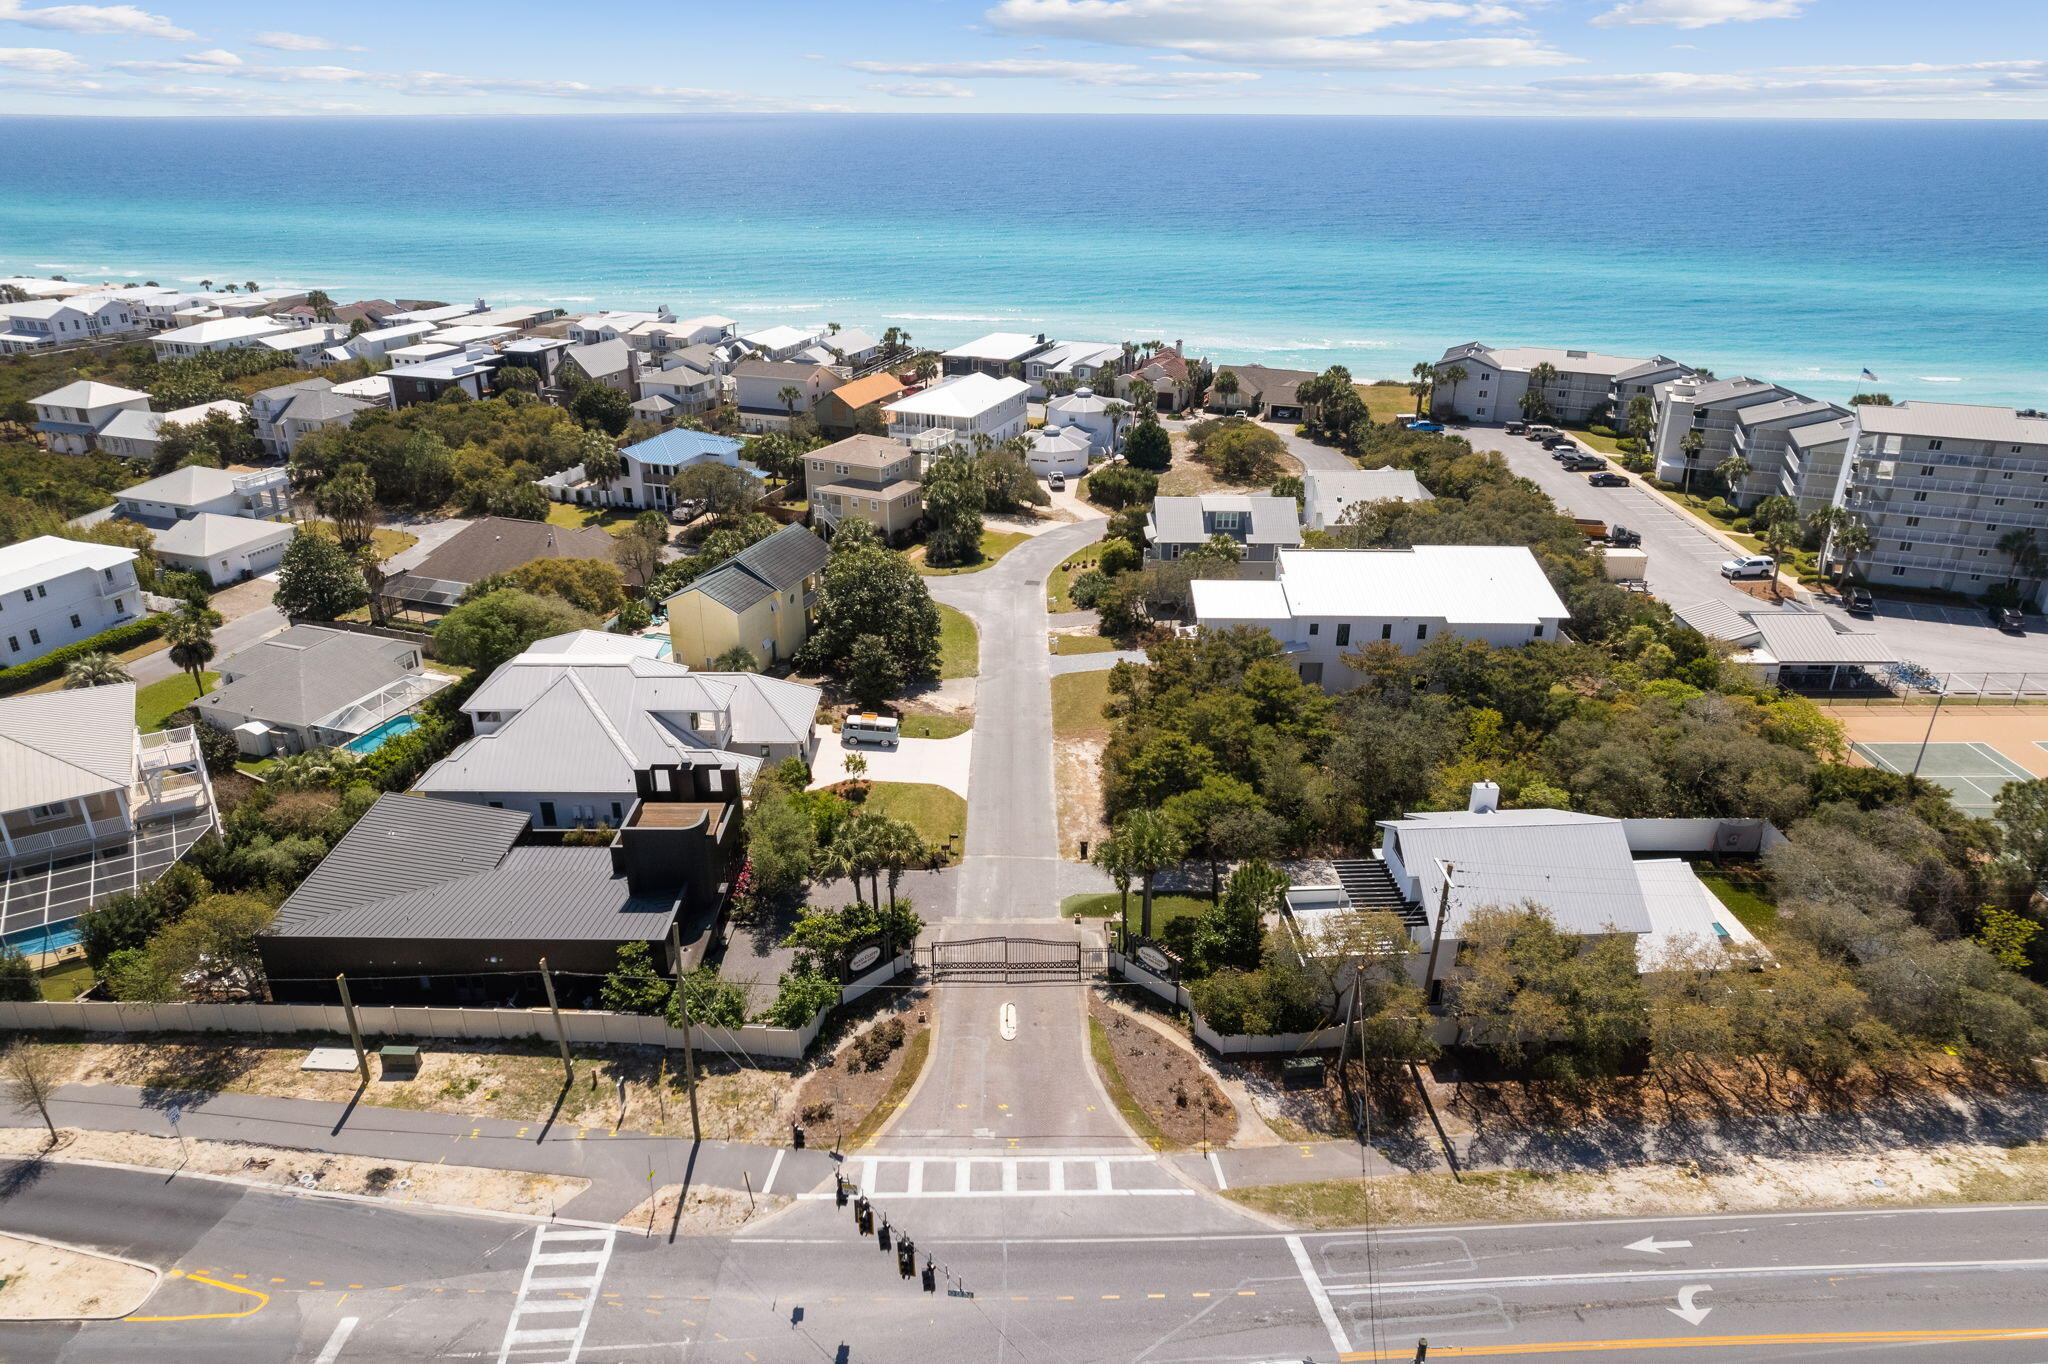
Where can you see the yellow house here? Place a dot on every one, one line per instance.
(760, 600)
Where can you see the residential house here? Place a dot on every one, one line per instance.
(1325, 603)
(1328, 494)
(1164, 370)
(761, 600)
(1792, 645)
(1745, 417)
(227, 333)
(137, 435)
(373, 344)
(517, 316)
(421, 890)
(469, 334)
(1496, 377)
(287, 414)
(66, 321)
(955, 411)
(845, 410)
(305, 347)
(611, 363)
(779, 343)
(1269, 393)
(55, 592)
(1088, 411)
(1062, 450)
(196, 489)
(1085, 362)
(666, 335)
(683, 386)
(472, 373)
(850, 346)
(89, 806)
(651, 465)
(439, 314)
(71, 418)
(374, 311)
(1260, 524)
(865, 478)
(569, 731)
(614, 326)
(758, 388)
(314, 686)
(541, 354)
(993, 355)
(420, 352)
(484, 548)
(1939, 485)
(223, 549)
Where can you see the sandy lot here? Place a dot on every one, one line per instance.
(710, 1212)
(1077, 780)
(453, 1185)
(44, 1282)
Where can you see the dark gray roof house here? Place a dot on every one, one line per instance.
(487, 546)
(611, 363)
(435, 888)
(779, 563)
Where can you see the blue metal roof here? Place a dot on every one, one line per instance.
(681, 445)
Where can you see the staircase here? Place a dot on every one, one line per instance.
(1372, 890)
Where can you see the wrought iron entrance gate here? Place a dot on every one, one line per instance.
(1007, 958)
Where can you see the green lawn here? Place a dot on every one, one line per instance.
(1757, 914)
(959, 644)
(1061, 579)
(1082, 644)
(1077, 702)
(572, 517)
(1165, 908)
(256, 768)
(65, 980)
(994, 545)
(937, 812)
(1606, 445)
(1386, 401)
(385, 542)
(159, 699)
(933, 726)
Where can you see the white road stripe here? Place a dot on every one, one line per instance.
(1338, 1339)
(332, 1352)
(561, 1344)
(1217, 1166)
(768, 1184)
(1696, 1272)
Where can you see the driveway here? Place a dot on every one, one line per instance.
(936, 762)
(432, 534)
(1685, 567)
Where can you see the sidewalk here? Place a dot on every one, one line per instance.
(615, 1163)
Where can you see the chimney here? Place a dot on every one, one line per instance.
(1041, 338)
(1485, 798)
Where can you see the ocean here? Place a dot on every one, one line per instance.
(1798, 251)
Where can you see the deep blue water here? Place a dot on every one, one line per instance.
(1796, 251)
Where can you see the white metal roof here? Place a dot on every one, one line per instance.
(1003, 346)
(223, 329)
(88, 393)
(968, 395)
(1458, 584)
(64, 745)
(47, 556)
(1524, 358)
(1681, 908)
(1232, 599)
(210, 533)
(778, 338)
(1576, 866)
(1960, 421)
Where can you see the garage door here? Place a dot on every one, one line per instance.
(263, 560)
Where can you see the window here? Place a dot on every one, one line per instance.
(1898, 573)
(1482, 393)
(1912, 520)
(1926, 470)
(110, 572)
(1934, 445)
(76, 623)
(547, 813)
(1905, 546)
(1422, 632)
(1919, 497)
(1343, 635)
(40, 813)
(618, 812)
(1314, 628)
(35, 636)
(1537, 631)
(2006, 476)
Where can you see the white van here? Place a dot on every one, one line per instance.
(879, 730)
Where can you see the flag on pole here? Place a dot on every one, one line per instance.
(1868, 375)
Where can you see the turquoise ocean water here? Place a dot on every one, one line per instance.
(1797, 251)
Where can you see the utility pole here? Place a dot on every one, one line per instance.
(1436, 937)
(689, 1043)
(1421, 1349)
(547, 980)
(1913, 777)
(355, 1033)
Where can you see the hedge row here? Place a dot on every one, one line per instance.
(53, 663)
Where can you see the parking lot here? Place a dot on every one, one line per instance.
(1685, 559)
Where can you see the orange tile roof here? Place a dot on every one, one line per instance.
(873, 389)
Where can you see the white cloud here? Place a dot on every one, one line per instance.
(214, 56)
(125, 19)
(923, 90)
(1319, 34)
(1074, 73)
(47, 60)
(301, 42)
(1664, 91)
(1697, 13)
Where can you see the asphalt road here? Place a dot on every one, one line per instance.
(269, 1277)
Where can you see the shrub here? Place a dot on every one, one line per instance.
(53, 663)
(800, 998)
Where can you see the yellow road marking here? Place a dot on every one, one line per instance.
(1111, 1297)
(262, 1301)
(1247, 1292)
(1198, 1295)
(1155, 1295)
(1705, 1343)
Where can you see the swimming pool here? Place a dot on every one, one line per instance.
(371, 740)
(48, 938)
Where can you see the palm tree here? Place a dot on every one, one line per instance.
(846, 857)
(1227, 387)
(790, 395)
(926, 369)
(899, 847)
(1732, 471)
(94, 670)
(1849, 539)
(317, 769)
(2023, 553)
(1116, 412)
(1455, 375)
(1536, 402)
(249, 287)
(1111, 857)
(1690, 444)
(1142, 395)
(206, 284)
(1777, 519)
(1424, 375)
(190, 631)
(1151, 842)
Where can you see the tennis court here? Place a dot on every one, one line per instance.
(1974, 773)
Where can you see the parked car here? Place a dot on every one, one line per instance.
(1425, 426)
(868, 728)
(1609, 479)
(2010, 619)
(1239, 415)
(1856, 597)
(1750, 566)
(1057, 482)
(1539, 431)
(1582, 463)
(1555, 441)
(1621, 537)
(1515, 428)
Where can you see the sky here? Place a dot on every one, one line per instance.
(1644, 58)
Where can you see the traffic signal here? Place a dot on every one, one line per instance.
(906, 1258)
(839, 1188)
(931, 1276)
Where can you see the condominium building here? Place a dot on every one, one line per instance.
(1940, 484)
(1791, 442)
(1496, 377)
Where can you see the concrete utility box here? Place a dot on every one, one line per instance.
(398, 1063)
(1625, 564)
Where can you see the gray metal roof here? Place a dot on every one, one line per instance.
(321, 405)
(210, 533)
(1341, 487)
(779, 563)
(1811, 638)
(1960, 421)
(305, 675)
(1576, 866)
(732, 587)
(1796, 406)
(1181, 520)
(414, 867)
(63, 745)
(601, 358)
